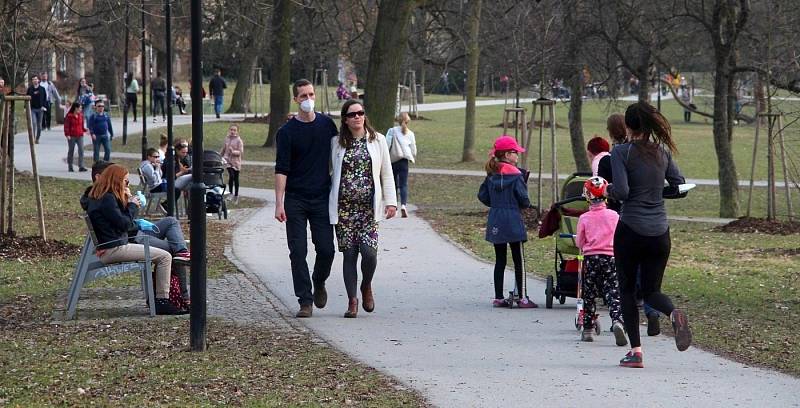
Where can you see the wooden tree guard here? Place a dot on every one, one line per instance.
(4, 124)
(549, 106)
(321, 80)
(521, 135)
(8, 163)
(772, 120)
(410, 81)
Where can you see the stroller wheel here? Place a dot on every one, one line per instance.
(548, 293)
(562, 299)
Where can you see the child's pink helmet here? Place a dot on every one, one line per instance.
(595, 188)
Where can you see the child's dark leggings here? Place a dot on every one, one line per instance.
(233, 181)
(500, 253)
(648, 255)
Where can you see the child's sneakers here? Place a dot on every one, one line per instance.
(587, 335)
(526, 303)
(632, 360)
(619, 333)
(183, 255)
(501, 303)
(680, 324)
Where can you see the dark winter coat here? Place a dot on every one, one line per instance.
(506, 194)
(111, 220)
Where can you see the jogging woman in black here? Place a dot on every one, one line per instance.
(641, 240)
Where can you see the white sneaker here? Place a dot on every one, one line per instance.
(403, 211)
(154, 120)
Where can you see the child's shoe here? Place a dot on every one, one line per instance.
(619, 333)
(526, 303)
(500, 303)
(587, 335)
(632, 360)
(680, 324)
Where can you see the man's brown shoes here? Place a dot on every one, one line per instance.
(305, 311)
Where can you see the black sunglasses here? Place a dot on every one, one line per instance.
(351, 115)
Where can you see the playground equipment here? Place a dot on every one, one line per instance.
(773, 121)
(7, 108)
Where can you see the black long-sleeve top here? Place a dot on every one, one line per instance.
(38, 97)
(304, 154)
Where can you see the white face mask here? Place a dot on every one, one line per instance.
(307, 105)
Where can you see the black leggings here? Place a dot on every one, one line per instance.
(369, 261)
(233, 181)
(500, 253)
(130, 102)
(647, 255)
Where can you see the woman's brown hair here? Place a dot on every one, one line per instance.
(644, 119)
(113, 181)
(346, 137)
(615, 124)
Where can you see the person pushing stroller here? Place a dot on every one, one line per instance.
(595, 238)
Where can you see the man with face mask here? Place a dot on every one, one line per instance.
(302, 185)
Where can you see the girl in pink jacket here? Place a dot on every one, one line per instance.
(232, 152)
(595, 238)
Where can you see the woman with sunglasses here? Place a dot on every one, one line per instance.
(362, 193)
(112, 210)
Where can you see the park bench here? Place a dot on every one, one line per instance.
(90, 268)
(153, 199)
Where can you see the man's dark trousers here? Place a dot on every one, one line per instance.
(301, 211)
(47, 116)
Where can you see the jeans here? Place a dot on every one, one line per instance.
(300, 212)
(72, 142)
(47, 116)
(646, 256)
(158, 101)
(135, 252)
(36, 117)
(104, 141)
(400, 170)
(169, 236)
(88, 112)
(217, 104)
(687, 116)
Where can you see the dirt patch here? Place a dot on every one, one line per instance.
(760, 225)
(31, 248)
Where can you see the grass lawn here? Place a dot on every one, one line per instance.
(138, 361)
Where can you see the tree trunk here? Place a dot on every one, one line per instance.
(473, 56)
(279, 96)
(244, 83)
(723, 122)
(575, 125)
(643, 74)
(385, 61)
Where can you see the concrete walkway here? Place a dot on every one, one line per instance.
(435, 330)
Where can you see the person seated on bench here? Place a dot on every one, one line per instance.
(168, 234)
(112, 210)
(154, 175)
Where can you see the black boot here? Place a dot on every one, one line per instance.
(164, 307)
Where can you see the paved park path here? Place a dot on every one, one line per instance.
(434, 328)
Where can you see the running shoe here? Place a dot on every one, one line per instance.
(632, 360)
(680, 324)
(526, 304)
(619, 333)
(500, 303)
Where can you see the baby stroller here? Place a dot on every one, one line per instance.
(213, 170)
(562, 221)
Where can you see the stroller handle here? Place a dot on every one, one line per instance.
(565, 235)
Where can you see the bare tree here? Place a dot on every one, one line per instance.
(473, 51)
(279, 97)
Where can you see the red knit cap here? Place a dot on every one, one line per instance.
(597, 145)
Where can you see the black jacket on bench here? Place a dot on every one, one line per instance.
(111, 220)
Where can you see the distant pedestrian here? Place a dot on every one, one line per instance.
(53, 97)
(74, 132)
(83, 87)
(87, 100)
(217, 87)
(505, 193)
(642, 240)
(233, 153)
(686, 98)
(101, 131)
(3, 90)
(131, 94)
(302, 185)
(179, 101)
(38, 105)
(362, 193)
(158, 89)
(402, 150)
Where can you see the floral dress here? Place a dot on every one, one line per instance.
(357, 223)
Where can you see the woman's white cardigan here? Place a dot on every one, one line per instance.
(382, 177)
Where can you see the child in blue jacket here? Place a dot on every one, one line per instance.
(505, 193)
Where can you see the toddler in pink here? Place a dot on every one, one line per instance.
(595, 238)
